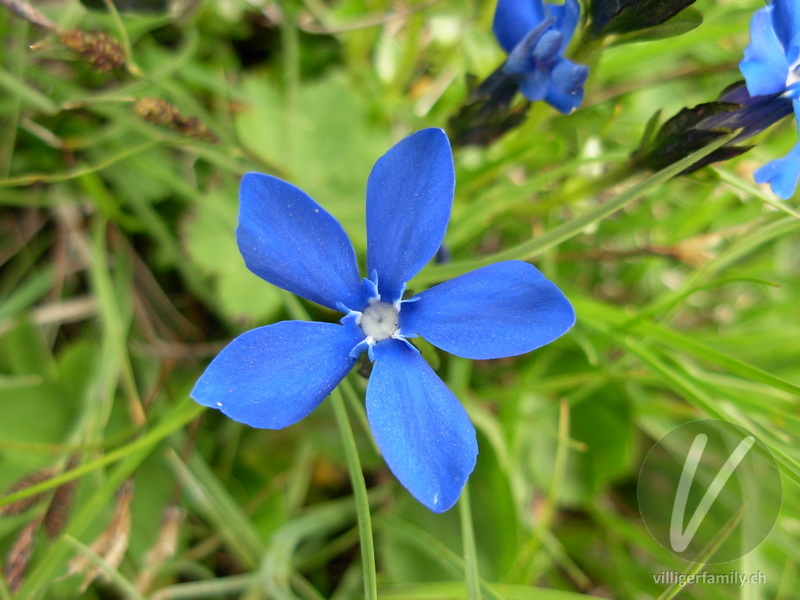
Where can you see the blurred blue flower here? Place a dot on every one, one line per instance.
(535, 36)
(273, 376)
(771, 66)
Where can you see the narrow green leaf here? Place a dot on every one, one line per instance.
(621, 321)
(532, 248)
(215, 503)
(468, 539)
(29, 95)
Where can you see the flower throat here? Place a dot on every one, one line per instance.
(379, 321)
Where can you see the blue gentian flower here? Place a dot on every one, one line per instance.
(273, 376)
(771, 66)
(535, 36)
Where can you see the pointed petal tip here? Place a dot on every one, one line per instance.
(273, 376)
(409, 197)
(433, 133)
(289, 240)
(504, 309)
(443, 501)
(423, 432)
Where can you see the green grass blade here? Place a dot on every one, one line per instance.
(532, 248)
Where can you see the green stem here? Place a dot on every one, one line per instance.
(130, 65)
(297, 310)
(468, 540)
(356, 404)
(122, 583)
(360, 495)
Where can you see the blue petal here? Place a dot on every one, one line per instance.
(782, 174)
(764, 65)
(273, 376)
(545, 52)
(505, 309)
(421, 428)
(523, 58)
(786, 20)
(535, 86)
(513, 19)
(292, 242)
(567, 16)
(566, 87)
(409, 196)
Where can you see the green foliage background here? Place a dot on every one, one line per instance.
(121, 279)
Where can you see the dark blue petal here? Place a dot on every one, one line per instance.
(505, 309)
(567, 16)
(409, 196)
(513, 19)
(759, 116)
(541, 72)
(764, 65)
(535, 86)
(545, 52)
(738, 94)
(796, 109)
(521, 59)
(421, 428)
(273, 376)
(786, 20)
(757, 112)
(292, 242)
(566, 86)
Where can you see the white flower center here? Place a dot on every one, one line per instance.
(379, 321)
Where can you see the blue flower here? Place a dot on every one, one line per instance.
(535, 36)
(273, 376)
(771, 66)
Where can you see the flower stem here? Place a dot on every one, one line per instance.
(360, 494)
(125, 40)
(468, 541)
